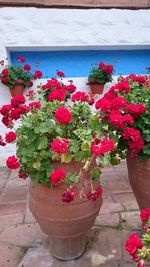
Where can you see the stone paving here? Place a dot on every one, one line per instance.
(22, 243)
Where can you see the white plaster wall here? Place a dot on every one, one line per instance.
(31, 27)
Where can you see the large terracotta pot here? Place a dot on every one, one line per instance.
(66, 224)
(18, 88)
(139, 176)
(96, 88)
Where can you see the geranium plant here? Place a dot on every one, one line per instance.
(139, 248)
(101, 73)
(55, 130)
(126, 111)
(11, 73)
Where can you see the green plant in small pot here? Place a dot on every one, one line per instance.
(99, 75)
(126, 111)
(18, 77)
(61, 145)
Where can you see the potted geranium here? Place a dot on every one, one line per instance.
(126, 111)
(139, 248)
(61, 146)
(18, 77)
(99, 75)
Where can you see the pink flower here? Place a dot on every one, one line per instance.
(12, 163)
(63, 115)
(56, 176)
(10, 137)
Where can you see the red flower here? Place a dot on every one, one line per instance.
(27, 67)
(30, 93)
(21, 59)
(104, 104)
(22, 174)
(30, 84)
(60, 73)
(38, 74)
(10, 137)
(17, 100)
(116, 119)
(5, 80)
(35, 105)
(51, 84)
(145, 214)
(99, 147)
(68, 195)
(56, 94)
(15, 114)
(2, 143)
(133, 244)
(108, 69)
(60, 146)
(56, 176)
(71, 88)
(63, 115)
(79, 96)
(12, 163)
(7, 121)
(5, 72)
(101, 65)
(122, 87)
(94, 195)
(5, 109)
(136, 109)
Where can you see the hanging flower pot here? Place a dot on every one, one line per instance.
(139, 176)
(18, 88)
(66, 224)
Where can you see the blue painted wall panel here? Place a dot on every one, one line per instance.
(78, 63)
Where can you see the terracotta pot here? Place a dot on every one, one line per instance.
(18, 88)
(139, 176)
(66, 224)
(96, 88)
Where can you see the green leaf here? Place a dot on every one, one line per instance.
(43, 143)
(85, 146)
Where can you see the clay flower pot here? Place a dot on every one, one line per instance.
(66, 224)
(96, 88)
(18, 88)
(139, 177)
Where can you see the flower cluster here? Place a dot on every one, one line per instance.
(11, 73)
(55, 89)
(139, 248)
(55, 132)
(101, 73)
(125, 109)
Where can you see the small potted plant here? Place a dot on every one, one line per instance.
(61, 146)
(139, 248)
(99, 75)
(18, 77)
(126, 111)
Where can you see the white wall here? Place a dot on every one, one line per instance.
(31, 27)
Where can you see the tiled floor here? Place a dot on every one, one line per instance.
(22, 243)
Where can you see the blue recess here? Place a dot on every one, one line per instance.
(79, 62)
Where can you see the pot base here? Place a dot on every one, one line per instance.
(67, 249)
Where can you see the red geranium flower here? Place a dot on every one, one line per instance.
(10, 137)
(133, 244)
(17, 100)
(21, 59)
(27, 67)
(68, 195)
(60, 146)
(5, 72)
(60, 73)
(38, 74)
(12, 163)
(63, 115)
(56, 176)
(145, 214)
